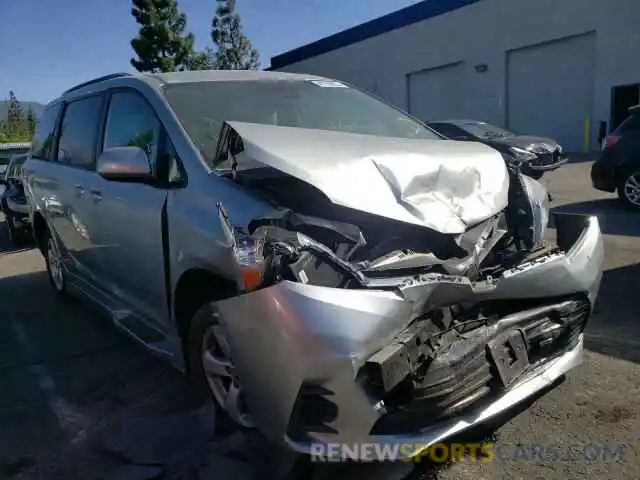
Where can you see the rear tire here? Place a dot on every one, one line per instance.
(205, 343)
(629, 190)
(55, 268)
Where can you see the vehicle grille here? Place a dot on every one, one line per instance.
(475, 379)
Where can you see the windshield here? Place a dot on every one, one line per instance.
(324, 105)
(485, 131)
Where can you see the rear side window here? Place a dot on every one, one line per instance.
(631, 124)
(43, 140)
(78, 131)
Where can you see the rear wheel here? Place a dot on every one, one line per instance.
(55, 269)
(211, 366)
(629, 190)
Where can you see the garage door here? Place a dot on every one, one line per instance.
(437, 93)
(550, 89)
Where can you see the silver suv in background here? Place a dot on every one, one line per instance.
(326, 267)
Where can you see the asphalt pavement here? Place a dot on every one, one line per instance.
(67, 377)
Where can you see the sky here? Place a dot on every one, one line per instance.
(47, 46)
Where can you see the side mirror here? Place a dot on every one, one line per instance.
(125, 164)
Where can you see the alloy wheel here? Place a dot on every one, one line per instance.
(631, 189)
(221, 376)
(54, 262)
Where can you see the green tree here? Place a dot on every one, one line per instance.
(161, 44)
(233, 49)
(14, 128)
(31, 122)
(204, 60)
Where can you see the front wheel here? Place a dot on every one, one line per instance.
(211, 366)
(629, 190)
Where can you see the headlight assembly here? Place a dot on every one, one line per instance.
(522, 154)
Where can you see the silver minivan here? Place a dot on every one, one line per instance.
(326, 267)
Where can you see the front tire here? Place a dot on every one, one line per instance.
(629, 190)
(55, 269)
(211, 367)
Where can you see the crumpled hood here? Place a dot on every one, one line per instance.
(440, 184)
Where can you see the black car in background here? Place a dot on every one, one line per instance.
(536, 155)
(618, 168)
(13, 202)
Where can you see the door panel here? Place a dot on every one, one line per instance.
(72, 170)
(130, 239)
(129, 215)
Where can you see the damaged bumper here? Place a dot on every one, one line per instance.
(329, 365)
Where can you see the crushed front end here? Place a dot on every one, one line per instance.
(366, 330)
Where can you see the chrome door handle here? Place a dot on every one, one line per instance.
(79, 190)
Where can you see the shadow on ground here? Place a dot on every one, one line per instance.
(614, 328)
(65, 374)
(614, 218)
(582, 157)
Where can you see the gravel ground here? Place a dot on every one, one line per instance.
(67, 376)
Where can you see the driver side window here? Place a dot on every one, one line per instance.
(131, 122)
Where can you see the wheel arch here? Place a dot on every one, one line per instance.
(39, 230)
(195, 287)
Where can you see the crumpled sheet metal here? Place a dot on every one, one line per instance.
(444, 185)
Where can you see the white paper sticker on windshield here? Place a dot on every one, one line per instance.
(328, 84)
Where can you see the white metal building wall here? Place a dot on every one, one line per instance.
(488, 33)
(550, 89)
(435, 93)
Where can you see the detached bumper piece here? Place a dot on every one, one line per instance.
(421, 382)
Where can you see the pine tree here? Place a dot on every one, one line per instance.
(161, 44)
(233, 49)
(202, 60)
(32, 122)
(16, 128)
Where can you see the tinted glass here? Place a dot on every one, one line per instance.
(76, 146)
(132, 122)
(485, 130)
(203, 107)
(451, 131)
(42, 146)
(631, 124)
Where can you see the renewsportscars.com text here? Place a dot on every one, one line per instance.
(457, 452)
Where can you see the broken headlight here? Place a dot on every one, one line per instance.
(249, 253)
(522, 155)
